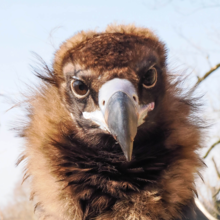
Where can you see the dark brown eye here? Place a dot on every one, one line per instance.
(79, 88)
(150, 78)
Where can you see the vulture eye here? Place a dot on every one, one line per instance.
(150, 78)
(79, 88)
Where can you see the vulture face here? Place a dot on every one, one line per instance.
(114, 95)
(110, 136)
(115, 102)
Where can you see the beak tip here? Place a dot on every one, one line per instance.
(128, 155)
(121, 118)
(128, 158)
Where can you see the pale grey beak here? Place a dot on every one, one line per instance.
(121, 118)
(118, 101)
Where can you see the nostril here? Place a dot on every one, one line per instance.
(103, 102)
(135, 99)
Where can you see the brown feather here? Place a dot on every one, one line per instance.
(77, 171)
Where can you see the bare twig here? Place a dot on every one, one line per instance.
(207, 74)
(218, 191)
(216, 168)
(209, 150)
(193, 45)
(206, 202)
(218, 174)
(203, 210)
(212, 69)
(208, 60)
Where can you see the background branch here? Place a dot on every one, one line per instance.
(207, 74)
(203, 210)
(216, 168)
(209, 150)
(216, 193)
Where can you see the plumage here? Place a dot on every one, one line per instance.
(78, 169)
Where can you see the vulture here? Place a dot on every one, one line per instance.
(110, 134)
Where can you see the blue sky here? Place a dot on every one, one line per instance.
(41, 26)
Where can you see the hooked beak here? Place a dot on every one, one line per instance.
(121, 118)
(120, 112)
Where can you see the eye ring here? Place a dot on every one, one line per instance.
(79, 88)
(150, 78)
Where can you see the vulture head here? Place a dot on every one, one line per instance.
(110, 134)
